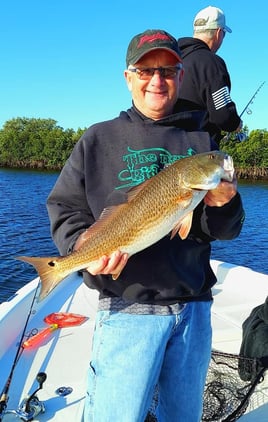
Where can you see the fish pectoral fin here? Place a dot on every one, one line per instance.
(185, 197)
(183, 226)
(186, 225)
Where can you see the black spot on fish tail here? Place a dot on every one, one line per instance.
(49, 271)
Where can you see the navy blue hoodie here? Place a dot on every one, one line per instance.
(206, 86)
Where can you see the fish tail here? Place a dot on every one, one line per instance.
(49, 271)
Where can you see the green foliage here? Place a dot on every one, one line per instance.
(40, 143)
(251, 153)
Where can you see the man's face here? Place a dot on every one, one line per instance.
(155, 96)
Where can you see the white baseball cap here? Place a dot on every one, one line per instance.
(210, 18)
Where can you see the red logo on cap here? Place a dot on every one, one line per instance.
(152, 38)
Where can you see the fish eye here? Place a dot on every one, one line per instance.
(212, 156)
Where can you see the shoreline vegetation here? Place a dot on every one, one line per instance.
(30, 143)
(253, 173)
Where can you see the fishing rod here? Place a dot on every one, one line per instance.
(226, 137)
(4, 395)
(251, 100)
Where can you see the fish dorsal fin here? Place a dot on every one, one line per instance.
(106, 215)
(133, 192)
(109, 212)
(183, 226)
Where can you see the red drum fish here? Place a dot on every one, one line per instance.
(163, 204)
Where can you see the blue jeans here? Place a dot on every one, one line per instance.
(134, 353)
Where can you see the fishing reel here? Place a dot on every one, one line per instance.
(237, 137)
(31, 406)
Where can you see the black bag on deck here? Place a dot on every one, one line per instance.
(255, 340)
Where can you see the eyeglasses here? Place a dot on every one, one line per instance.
(167, 72)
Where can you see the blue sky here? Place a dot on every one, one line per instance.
(64, 59)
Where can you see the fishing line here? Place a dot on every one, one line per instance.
(4, 395)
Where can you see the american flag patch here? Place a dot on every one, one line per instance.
(221, 97)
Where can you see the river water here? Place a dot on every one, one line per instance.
(24, 227)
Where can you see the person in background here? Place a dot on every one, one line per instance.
(153, 323)
(206, 84)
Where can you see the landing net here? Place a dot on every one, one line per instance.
(231, 383)
(231, 388)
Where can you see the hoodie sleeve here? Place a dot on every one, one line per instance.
(67, 204)
(219, 223)
(216, 95)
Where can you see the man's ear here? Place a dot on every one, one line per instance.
(128, 77)
(181, 75)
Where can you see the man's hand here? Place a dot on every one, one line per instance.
(223, 194)
(241, 136)
(112, 264)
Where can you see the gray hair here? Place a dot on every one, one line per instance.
(209, 33)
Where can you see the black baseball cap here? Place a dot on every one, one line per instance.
(151, 39)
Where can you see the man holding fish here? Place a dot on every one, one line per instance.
(165, 197)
